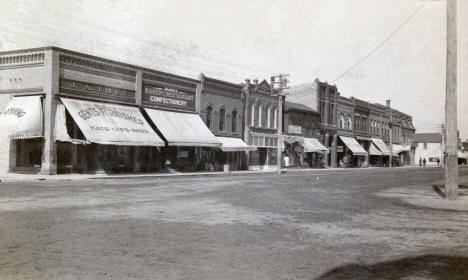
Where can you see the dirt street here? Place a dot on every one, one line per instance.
(336, 224)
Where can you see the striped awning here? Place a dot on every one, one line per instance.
(382, 146)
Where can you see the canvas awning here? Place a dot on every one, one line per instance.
(382, 146)
(313, 145)
(60, 127)
(22, 118)
(398, 148)
(233, 144)
(183, 129)
(373, 151)
(462, 155)
(112, 124)
(354, 146)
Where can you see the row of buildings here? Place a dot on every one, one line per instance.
(71, 112)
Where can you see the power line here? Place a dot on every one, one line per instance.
(381, 43)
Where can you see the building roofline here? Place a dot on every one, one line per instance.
(135, 67)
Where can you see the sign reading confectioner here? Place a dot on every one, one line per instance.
(168, 97)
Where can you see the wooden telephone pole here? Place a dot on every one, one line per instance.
(282, 82)
(451, 147)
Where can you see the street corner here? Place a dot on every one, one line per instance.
(430, 196)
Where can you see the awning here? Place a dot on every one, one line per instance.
(462, 155)
(112, 124)
(312, 145)
(60, 127)
(406, 148)
(292, 139)
(363, 138)
(183, 129)
(232, 144)
(398, 148)
(382, 146)
(373, 151)
(354, 146)
(22, 118)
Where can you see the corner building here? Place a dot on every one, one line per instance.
(72, 112)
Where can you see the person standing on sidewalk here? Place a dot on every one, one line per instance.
(420, 162)
(424, 162)
(438, 162)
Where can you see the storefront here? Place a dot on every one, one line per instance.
(233, 153)
(352, 153)
(22, 123)
(190, 144)
(266, 154)
(380, 160)
(113, 138)
(303, 152)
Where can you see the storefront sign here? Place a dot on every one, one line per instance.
(111, 124)
(294, 129)
(168, 97)
(87, 89)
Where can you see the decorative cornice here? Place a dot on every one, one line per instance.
(25, 58)
(105, 67)
(22, 90)
(167, 80)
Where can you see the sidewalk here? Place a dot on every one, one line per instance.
(16, 177)
(431, 196)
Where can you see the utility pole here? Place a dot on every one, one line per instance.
(390, 125)
(282, 82)
(451, 147)
(444, 141)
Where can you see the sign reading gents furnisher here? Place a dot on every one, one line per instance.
(168, 97)
(111, 124)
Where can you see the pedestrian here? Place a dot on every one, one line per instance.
(286, 161)
(424, 162)
(438, 162)
(420, 162)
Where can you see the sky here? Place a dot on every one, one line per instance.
(235, 40)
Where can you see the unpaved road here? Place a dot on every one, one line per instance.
(308, 225)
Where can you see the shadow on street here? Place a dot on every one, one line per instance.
(437, 267)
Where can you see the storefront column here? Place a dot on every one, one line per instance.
(51, 88)
(333, 151)
(326, 143)
(136, 159)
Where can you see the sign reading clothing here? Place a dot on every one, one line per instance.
(112, 124)
(168, 97)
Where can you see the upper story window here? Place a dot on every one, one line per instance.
(234, 121)
(260, 114)
(350, 123)
(222, 119)
(268, 117)
(341, 124)
(209, 116)
(252, 115)
(275, 118)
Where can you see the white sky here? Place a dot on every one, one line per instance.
(234, 40)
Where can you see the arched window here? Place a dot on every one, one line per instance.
(341, 121)
(275, 118)
(350, 123)
(222, 119)
(234, 121)
(252, 115)
(268, 117)
(260, 114)
(209, 115)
